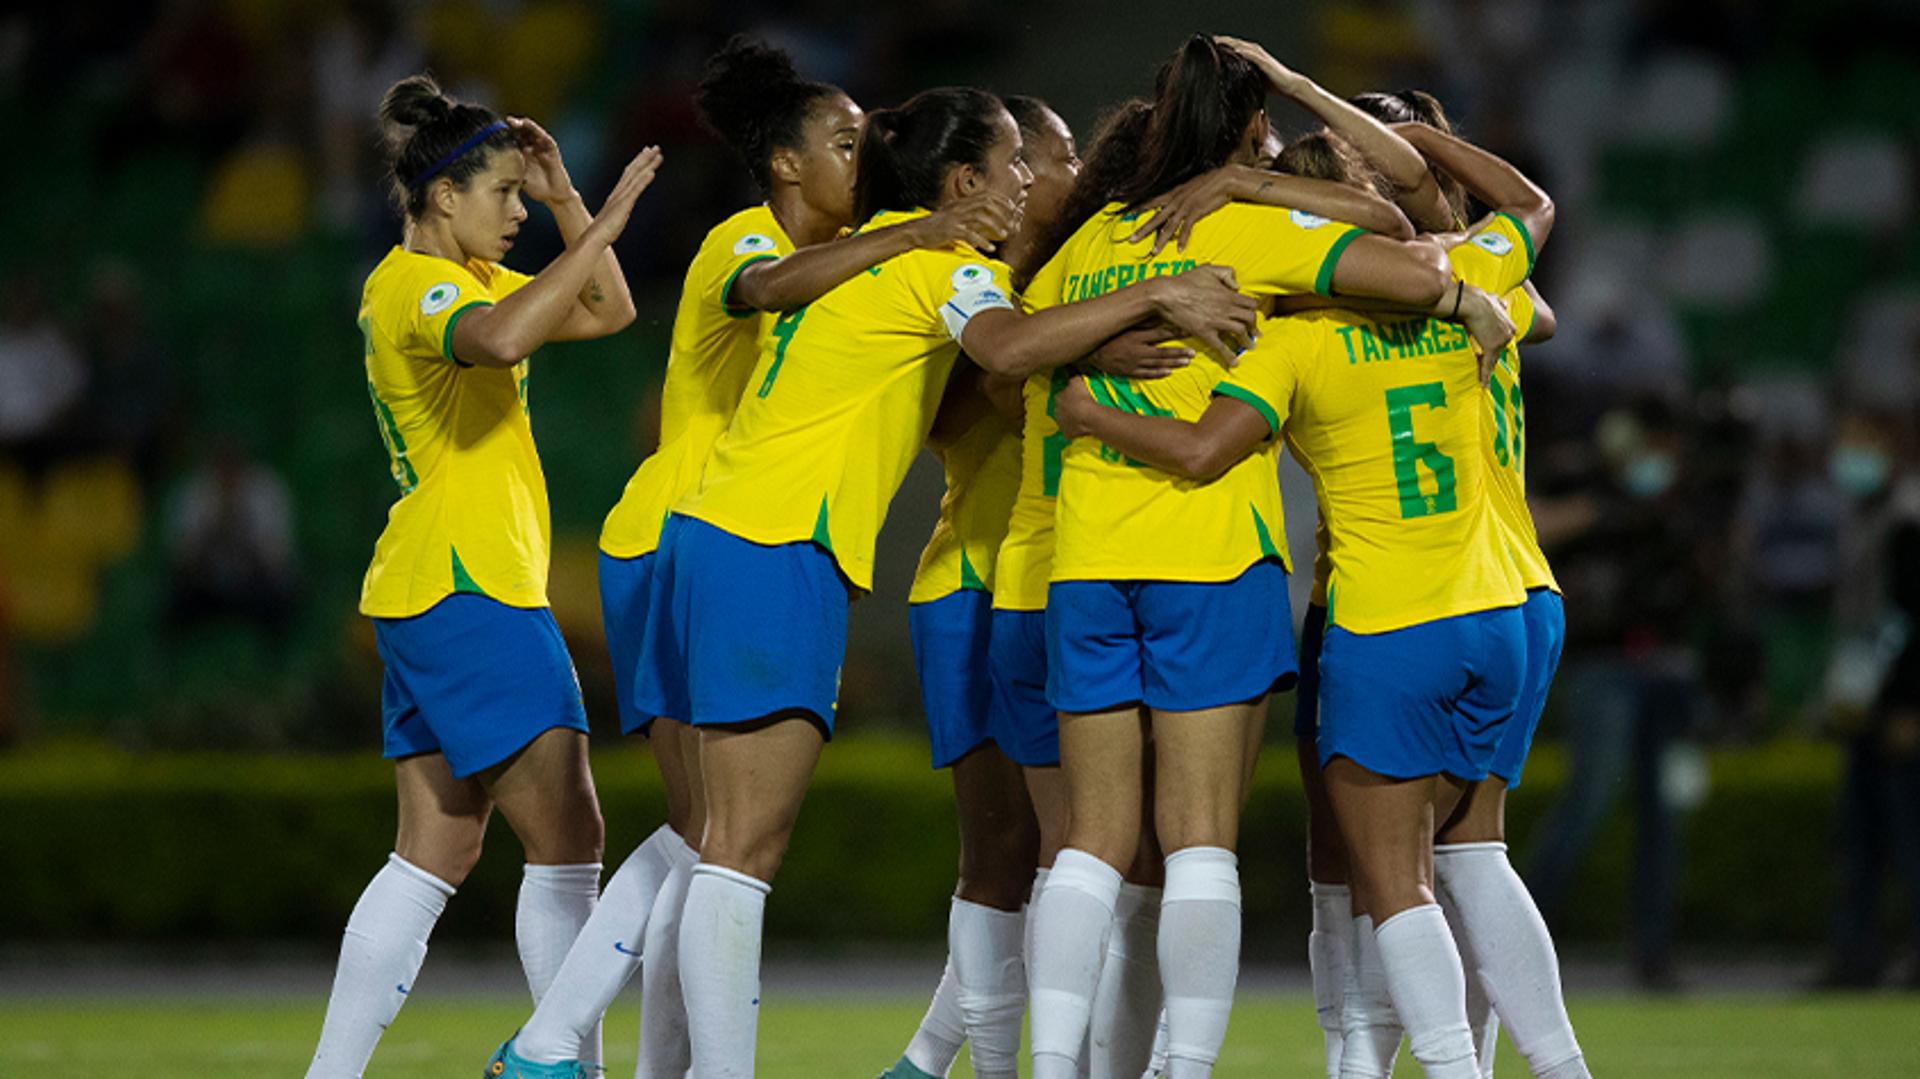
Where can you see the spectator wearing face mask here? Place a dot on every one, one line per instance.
(1641, 571)
(1871, 694)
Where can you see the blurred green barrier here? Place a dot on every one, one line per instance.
(100, 845)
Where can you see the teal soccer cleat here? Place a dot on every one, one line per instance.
(507, 1064)
(904, 1069)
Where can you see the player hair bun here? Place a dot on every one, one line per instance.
(741, 90)
(415, 101)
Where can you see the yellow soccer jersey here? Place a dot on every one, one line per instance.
(472, 514)
(842, 397)
(983, 474)
(1498, 251)
(1026, 554)
(1386, 414)
(1119, 519)
(713, 351)
(1505, 443)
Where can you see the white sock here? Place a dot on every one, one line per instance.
(380, 953)
(1502, 936)
(1126, 1007)
(936, 1045)
(1329, 954)
(556, 901)
(720, 930)
(664, 1050)
(1481, 1022)
(1370, 1030)
(1072, 920)
(566, 1023)
(1033, 906)
(983, 949)
(1157, 1065)
(1429, 990)
(1199, 955)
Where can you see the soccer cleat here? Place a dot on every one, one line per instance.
(507, 1064)
(904, 1069)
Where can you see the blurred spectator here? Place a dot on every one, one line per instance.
(42, 378)
(1635, 585)
(130, 385)
(230, 545)
(1788, 533)
(1873, 695)
(362, 48)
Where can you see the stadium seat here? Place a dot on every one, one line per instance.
(1678, 99)
(1878, 354)
(1857, 180)
(1718, 259)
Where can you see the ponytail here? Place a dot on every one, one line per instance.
(1204, 98)
(907, 151)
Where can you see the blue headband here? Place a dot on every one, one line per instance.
(459, 151)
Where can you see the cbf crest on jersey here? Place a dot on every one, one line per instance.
(1492, 243)
(972, 276)
(752, 242)
(439, 298)
(1306, 220)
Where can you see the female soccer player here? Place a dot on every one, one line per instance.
(797, 139)
(1503, 939)
(982, 994)
(1428, 571)
(480, 702)
(1171, 597)
(1027, 727)
(1470, 855)
(747, 624)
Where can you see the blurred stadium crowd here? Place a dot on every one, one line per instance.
(1724, 437)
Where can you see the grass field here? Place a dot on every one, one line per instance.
(1725, 1037)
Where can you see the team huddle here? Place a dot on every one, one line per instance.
(1107, 355)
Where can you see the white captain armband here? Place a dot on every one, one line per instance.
(974, 291)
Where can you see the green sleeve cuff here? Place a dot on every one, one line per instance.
(1526, 238)
(1251, 399)
(446, 339)
(726, 290)
(1323, 282)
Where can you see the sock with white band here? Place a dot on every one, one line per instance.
(1329, 953)
(983, 949)
(1503, 937)
(720, 930)
(602, 958)
(1370, 1030)
(1072, 921)
(380, 954)
(1126, 1006)
(1429, 990)
(665, 1052)
(556, 901)
(936, 1045)
(1199, 955)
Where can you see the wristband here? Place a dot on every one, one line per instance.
(1459, 290)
